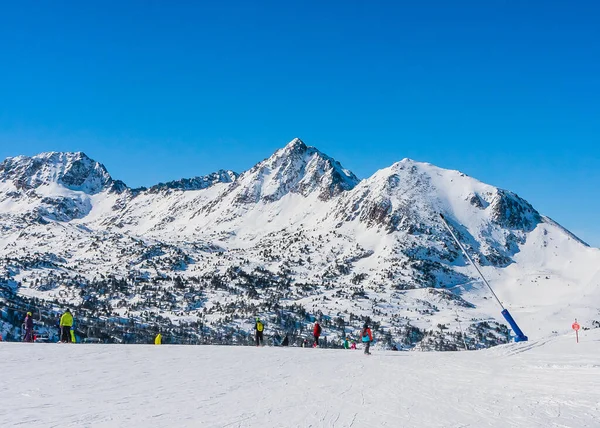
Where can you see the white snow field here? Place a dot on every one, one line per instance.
(548, 383)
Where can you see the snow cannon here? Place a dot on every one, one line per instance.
(520, 337)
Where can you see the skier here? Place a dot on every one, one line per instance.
(367, 338)
(259, 327)
(66, 322)
(347, 343)
(285, 341)
(316, 334)
(158, 339)
(353, 346)
(28, 328)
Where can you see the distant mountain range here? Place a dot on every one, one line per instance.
(297, 237)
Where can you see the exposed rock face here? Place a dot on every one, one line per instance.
(75, 171)
(197, 183)
(513, 212)
(296, 168)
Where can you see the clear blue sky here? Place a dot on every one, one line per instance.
(505, 91)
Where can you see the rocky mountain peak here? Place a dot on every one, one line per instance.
(73, 170)
(296, 168)
(296, 145)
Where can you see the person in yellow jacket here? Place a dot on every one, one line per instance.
(66, 322)
(158, 339)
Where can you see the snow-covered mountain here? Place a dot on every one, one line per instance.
(296, 237)
(295, 169)
(74, 171)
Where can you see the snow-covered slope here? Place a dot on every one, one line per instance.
(296, 238)
(549, 383)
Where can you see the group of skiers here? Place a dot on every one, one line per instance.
(65, 323)
(68, 335)
(366, 337)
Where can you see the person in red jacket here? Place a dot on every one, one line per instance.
(367, 338)
(316, 334)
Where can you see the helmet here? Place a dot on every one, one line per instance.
(29, 314)
(257, 318)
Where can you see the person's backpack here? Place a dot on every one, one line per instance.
(259, 326)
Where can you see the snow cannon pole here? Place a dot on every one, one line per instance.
(520, 337)
(471, 261)
(509, 319)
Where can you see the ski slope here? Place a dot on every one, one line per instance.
(548, 383)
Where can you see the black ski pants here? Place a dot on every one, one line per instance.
(65, 334)
(259, 338)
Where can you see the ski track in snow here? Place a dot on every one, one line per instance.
(550, 383)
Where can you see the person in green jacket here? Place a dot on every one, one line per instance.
(66, 322)
(346, 343)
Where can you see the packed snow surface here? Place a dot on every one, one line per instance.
(553, 382)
